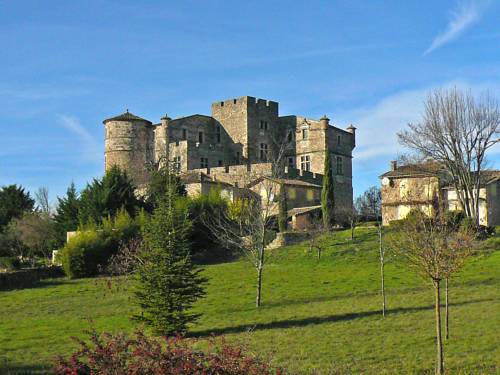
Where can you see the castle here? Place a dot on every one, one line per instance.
(241, 138)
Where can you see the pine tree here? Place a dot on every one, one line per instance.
(283, 209)
(14, 201)
(66, 218)
(168, 281)
(327, 196)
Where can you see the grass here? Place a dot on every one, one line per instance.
(317, 316)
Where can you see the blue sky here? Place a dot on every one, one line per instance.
(67, 65)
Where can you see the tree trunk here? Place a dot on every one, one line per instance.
(439, 339)
(382, 278)
(446, 312)
(259, 282)
(352, 231)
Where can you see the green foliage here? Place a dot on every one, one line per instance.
(14, 201)
(168, 283)
(204, 205)
(88, 252)
(105, 197)
(327, 194)
(160, 183)
(66, 217)
(10, 263)
(283, 210)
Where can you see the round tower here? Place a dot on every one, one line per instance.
(162, 142)
(129, 145)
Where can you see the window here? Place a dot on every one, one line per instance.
(217, 133)
(237, 157)
(292, 193)
(219, 163)
(305, 134)
(290, 136)
(340, 165)
(177, 163)
(310, 195)
(263, 152)
(339, 140)
(305, 163)
(200, 137)
(204, 163)
(263, 125)
(184, 134)
(291, 163)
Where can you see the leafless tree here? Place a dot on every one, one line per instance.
(246, 226)
(349, 215)
(369, 206)
(34, 230)
(436, 250)
(316, 230)
(42, 200)
(457, 130)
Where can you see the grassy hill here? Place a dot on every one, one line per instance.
(317, 316)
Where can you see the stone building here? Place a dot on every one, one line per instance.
(239, 142)
(427, 187)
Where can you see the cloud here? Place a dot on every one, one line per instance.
(378, 124)
(90, 147)
(466, 14)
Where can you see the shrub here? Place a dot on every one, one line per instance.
(88, 252)
(10, 263)
(118, 354)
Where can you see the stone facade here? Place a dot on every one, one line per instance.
(238, 142)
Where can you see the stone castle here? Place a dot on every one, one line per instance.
(241, 138)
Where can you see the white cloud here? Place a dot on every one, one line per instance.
(90, 147)
(378, 124)
(466, 14)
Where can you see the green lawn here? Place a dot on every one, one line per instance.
(317, 316)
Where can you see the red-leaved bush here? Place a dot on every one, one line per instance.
(108, 354)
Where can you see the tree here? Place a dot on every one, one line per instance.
(168, 281)
(327, 196)
(42, 200)
(283, 209)
(457, 131)
(66, 216)
(436, 250)
(369, 205)
(14, 201)
(104, 197)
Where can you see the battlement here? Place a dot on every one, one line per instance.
(247, 101)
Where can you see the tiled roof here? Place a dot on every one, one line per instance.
(416, 170)
(302, 210)
(198, 177)
(293, 182)
(487, 177)
(126, 116)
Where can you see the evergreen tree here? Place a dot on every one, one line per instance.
(327, 196)
(168, 281)
(283, 209)
(66, 217)
(104, 197)
(14, 201)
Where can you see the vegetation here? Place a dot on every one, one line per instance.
(168, 281)
(14, 201)
(327, 194)
(321, 317)
(66, 217)
(283, 209)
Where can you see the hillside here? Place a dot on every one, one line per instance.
(317, 316)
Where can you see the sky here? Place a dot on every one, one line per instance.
(67, 65)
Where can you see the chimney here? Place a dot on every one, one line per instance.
(325, 122)
(394, 165)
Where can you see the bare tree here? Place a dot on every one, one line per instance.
(349, 215)
(436, 250)
(42, 200)
(457, 130)
(246, 226)
(316, 229)
(369, 205)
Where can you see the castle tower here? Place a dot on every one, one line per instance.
(161, 140)
(129, 143)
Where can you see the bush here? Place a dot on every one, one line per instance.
(10, 263)
(118, 354)
(88, 252)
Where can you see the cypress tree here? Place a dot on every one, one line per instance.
(327, 198)
(283, 209)
(168, 281)
(66, 218)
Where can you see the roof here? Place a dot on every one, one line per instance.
(487, 177)
(127, 116)
(302, 210)
(428, 169)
